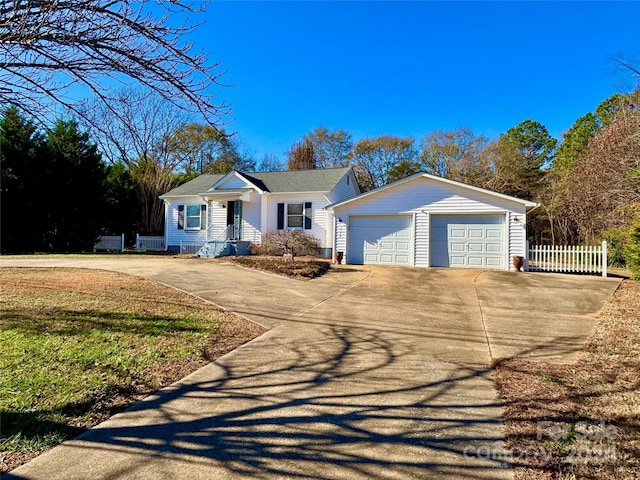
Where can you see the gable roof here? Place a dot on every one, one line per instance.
(200, 184)
(528, 204)
(289, 181)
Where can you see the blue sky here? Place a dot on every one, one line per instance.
(408, 68)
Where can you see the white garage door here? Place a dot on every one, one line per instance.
(468, 241)
(380, 240)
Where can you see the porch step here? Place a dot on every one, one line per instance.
(224, 248)
(214, 249)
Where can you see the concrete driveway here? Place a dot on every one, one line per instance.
(366, 373)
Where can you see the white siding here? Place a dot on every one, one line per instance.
(343, 190)
(341, 236)
(424, 196)
(319, 223)
(251, 219)
(175, 236)
(232, 183)
(517, 236)
(217, 220)
(421, 254)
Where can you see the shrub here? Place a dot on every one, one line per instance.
(292, 242)
(617, 239)
(632, 249)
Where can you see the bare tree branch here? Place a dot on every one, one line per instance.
(49, 46)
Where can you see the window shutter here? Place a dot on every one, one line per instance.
(307, 216)
(203, 217)
(180, 217)
(280, 216)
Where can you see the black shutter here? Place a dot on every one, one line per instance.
(307, 216)
(280, 216)
(203, 217)
(180, 217)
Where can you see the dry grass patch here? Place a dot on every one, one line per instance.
(582, 420)
(77, 346)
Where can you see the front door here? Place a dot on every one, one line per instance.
(234, 220)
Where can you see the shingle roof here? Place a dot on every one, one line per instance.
(200, 184)
(290, 181)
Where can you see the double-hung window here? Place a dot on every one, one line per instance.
(193, 217)
(295, 216)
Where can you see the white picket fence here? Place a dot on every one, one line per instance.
(147, 243)
(107, 243)
(567, 259)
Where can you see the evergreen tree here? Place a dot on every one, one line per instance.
(75, 187)
(19, 149)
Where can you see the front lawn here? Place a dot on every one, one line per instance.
(77, 346)
(582, 420)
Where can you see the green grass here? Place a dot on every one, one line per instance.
(77, 346)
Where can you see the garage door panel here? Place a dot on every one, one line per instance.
(458, 247)
(457, 261)
(475, 247)
(476, 261)
(494, 262)
(472, 241)
(380, 240)
(494, 248)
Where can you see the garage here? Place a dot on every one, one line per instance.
(468, 241)
(427, 221)
(380, 240)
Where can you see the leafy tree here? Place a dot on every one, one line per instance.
(231, 157)
(75, 189)
(121, 202)
(576, 139)
(52, 188)
(380, 160)
(193, 146)
(632, 250)
(20, 146)
(519, 158)
(301, 156)
(404, 169)
(603, 190)
(456, 154)
(51, 47)
(330, 148)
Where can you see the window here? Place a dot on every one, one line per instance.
(295, 215)
(193, 217)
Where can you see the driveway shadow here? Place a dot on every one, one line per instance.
(335, 405)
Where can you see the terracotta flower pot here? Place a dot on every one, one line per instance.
(518, 263)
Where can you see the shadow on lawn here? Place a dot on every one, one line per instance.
(86, 322)
(341, 402)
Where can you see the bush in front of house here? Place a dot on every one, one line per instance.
(287, 268)
(288, 242)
